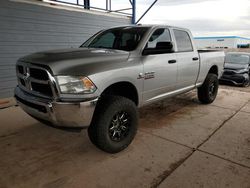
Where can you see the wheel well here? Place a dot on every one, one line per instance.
(124, 89)
(214, 70)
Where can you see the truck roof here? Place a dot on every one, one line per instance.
(151, 26)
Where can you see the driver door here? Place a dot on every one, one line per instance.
(160, 70)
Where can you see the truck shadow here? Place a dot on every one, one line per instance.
(37, 150)
(36, 142)
(154, 115)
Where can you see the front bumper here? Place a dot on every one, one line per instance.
(234, 79)
(61, 114)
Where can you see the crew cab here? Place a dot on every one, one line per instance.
(101, 84)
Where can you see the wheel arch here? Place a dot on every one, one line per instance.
(214, 70)
(124, 89)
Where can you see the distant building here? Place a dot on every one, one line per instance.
(222, 42)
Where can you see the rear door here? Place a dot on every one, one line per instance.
(187, 60)
(160, 70)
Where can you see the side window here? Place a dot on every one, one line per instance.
(106, 40)
(128, 41)
(183, 41)
(160, 35)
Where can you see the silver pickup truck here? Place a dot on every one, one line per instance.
(100, 84)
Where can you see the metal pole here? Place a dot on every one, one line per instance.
(146, 11)
(86, 4)
(134, 12)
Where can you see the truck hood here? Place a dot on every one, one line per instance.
(235, 66)
(80, 61)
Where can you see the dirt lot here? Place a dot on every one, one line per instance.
(180, 143)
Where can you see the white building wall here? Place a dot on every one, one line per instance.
(216, 43)
(27, 28)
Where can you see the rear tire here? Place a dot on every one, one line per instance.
(114, 124)
(209, 89)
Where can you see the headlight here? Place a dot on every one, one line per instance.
(75, 85)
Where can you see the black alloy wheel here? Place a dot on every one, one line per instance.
(119, 127)
(209, 89)
(114, 124)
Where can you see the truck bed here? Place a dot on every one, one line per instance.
(209, 58)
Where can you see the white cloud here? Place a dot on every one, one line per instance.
(170, 2)
(203, 17)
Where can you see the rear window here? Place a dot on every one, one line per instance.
(237, 58)
(183, 41)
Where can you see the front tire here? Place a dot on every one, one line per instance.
(209, 89)
(247, 81)
(114, 124)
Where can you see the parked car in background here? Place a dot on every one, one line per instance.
(236, 69)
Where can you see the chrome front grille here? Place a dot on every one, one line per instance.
(35, 80)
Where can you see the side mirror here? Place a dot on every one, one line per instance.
(161, 48)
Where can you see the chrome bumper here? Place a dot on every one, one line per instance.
(61, 114)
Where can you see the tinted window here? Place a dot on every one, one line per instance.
(160, 35)
(107, 40)
(122, 38)
(183, 41)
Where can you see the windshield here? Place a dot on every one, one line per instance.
(122, 38)
(237, 59)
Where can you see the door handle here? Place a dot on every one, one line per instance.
(195, 58)
(172, 61)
